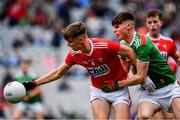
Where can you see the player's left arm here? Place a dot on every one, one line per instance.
(176, 56)
(174, 53)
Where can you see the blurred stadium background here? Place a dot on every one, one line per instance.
(32, 29)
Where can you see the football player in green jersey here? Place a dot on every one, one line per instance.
(150, 64)
(32, 100)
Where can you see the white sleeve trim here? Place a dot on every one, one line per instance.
(143, 61)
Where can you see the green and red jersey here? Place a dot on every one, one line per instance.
(159, 71)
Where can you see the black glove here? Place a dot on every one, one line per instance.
(105, 88)
(110, 88)
(29, 85)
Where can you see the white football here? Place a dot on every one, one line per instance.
(14, 92)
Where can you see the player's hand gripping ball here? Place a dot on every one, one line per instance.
(14, 92)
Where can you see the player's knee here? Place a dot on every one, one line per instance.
(144, 115)
(96, 117)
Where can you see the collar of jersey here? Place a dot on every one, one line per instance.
(148, 35)
(134, 37)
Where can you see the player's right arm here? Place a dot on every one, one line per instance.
(49, 77)
(54, 74)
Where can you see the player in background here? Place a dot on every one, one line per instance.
(150, 64)
(165, 45)
(32, 101)
(100, 58)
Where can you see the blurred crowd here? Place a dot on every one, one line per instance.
(52, 15)
(38, 24)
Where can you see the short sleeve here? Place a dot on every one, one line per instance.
(173, 48)
(143, 53)
(113, 46)
(69, 59)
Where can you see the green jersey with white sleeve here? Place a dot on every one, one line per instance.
(159, 71)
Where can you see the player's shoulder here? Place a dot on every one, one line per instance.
(73, 52)
(165, 38)
(100, 42)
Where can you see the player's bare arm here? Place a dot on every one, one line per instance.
(138, 78)
(54, 74)
(128, 52)
(176, 56)
(126, 65)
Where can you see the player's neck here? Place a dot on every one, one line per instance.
(129, 37)
(87, 47)
(154, 35)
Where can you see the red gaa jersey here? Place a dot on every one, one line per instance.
(166, 47)
(102, 63)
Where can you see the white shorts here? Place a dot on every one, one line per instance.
(35, 107)
(163, 96)
(120, 96)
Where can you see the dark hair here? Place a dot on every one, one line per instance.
(74, 30)
(121, 17)
(153, 13)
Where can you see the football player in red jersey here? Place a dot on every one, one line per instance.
(100, 58)
(165, 45)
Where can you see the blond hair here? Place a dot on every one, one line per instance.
(74, 30)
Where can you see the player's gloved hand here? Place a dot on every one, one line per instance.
(29, 85)
(105, 88)
(148, 85)
(110, 86)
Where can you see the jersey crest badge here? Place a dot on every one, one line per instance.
(100, 60)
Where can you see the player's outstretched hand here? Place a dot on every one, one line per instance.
(148, 85)
(29, 85)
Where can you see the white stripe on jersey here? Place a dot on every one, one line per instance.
(165, 38)
(100, 45)
(97, 45)
(75, 52)
(160, 37)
